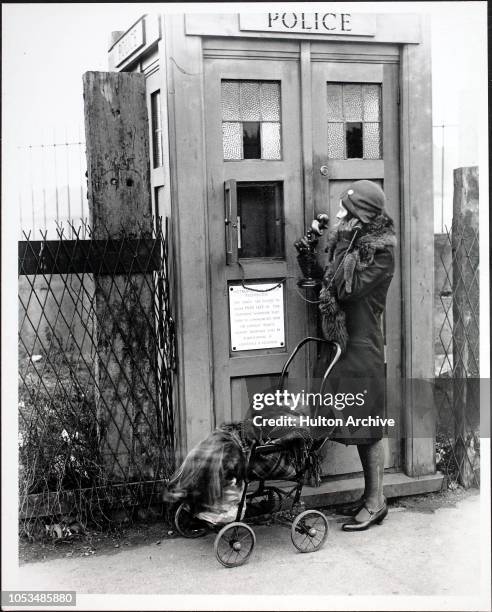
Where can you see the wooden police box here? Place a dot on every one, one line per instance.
(257, 123)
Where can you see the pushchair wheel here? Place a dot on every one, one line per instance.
(186, 524)
(234, 544)
(309, 531)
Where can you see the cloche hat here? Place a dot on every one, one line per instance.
(364, 200)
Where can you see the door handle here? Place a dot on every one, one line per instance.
(324, 170)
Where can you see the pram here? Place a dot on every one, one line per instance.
(252, 455)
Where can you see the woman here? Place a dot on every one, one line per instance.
(352, 299)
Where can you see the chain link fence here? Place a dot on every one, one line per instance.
(96, 367)
(457, 342)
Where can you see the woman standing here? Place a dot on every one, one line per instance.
(352, 300)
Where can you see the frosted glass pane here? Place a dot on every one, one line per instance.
(270, 141)
(352, 102)
(270, 102)
(371, 95)
(231, 139)
(230, 100)
(336, 141)
(334, 99)
(372, 141)
(250, 101)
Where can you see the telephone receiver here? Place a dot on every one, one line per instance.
(318, 226)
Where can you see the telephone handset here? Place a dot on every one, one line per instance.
(306, 248)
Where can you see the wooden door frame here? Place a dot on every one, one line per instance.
(417, 250)
(184, 58)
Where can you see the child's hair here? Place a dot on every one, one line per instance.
(207, 468)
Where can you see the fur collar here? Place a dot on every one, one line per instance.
(375, 236)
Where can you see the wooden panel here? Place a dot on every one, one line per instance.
(251, 268)
(250, 45)
(355, 52)
(393, 313)
(395, 28)
(190, 229)
(242, 390)
(417, 244)
(255, 169)
(246, 366)
(346, 169)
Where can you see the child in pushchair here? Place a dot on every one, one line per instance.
(221, 484)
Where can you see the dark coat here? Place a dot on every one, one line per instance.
(361, 368)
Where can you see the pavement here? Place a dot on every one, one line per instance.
(412, 553)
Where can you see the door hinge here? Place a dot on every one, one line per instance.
(398, 95)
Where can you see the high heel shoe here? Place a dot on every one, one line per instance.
(376, 516)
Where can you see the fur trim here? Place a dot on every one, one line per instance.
(375, 236)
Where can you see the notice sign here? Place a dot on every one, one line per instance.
(348, 24)
(130, 42)
(256, 317)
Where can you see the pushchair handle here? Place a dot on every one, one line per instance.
(304, 341)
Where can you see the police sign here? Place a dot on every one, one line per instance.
(348, 24)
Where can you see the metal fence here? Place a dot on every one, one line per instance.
(457, 355)
(96, 367)
(51, 186)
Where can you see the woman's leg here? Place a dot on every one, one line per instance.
(372, 459)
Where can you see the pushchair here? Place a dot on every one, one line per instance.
(253, 455)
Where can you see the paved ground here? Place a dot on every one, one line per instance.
(411, 553)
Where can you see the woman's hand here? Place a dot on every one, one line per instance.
(310, 239)
(303, 245)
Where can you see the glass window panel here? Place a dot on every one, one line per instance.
(336, 141)
(353, 134)
(232, 141)
(371, 94)
(372, 140)
(230, 101)
(250, 101)
(270, 140)
(270, 102)
(334, 98)
(251, 140)
(260, 209)
(352, 102)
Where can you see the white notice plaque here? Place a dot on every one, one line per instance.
(256, 317)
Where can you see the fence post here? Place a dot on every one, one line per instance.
(465, 249)
(117, 141)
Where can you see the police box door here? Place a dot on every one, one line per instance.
(258, 202)
(355, 136)
(255, 213)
